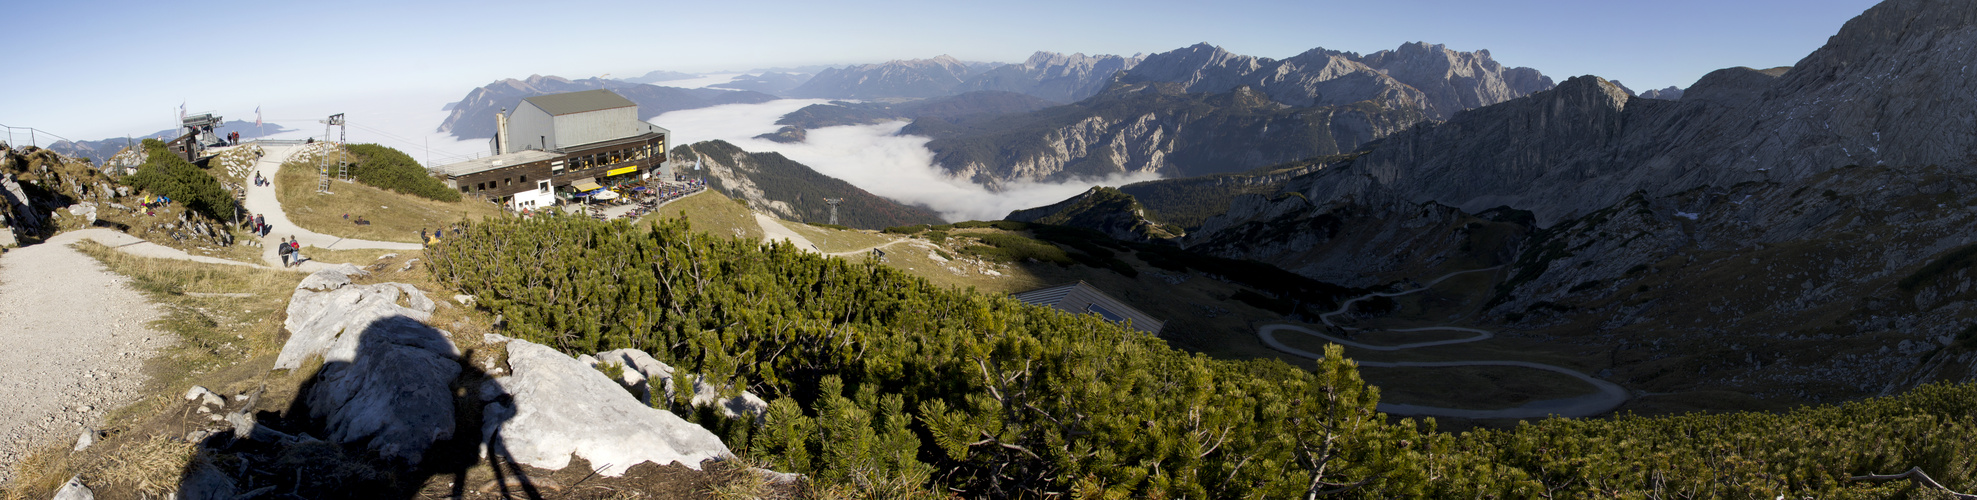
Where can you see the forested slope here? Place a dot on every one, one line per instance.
(881, 381)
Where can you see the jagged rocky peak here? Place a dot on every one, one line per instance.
(1672, 93)
(1077, 61)
(1434, 78)
(1455, 80)
(1053, 76)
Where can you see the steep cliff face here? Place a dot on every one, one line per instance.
(1153, 127)
(916, 78)
(473, 115)
(1053, 76)
(793, 191)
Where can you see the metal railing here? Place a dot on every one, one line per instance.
(33, 134)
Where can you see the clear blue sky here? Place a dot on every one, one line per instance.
(92, 69)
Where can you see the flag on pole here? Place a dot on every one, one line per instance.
(257, 119)
(181, 111)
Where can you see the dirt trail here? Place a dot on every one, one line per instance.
(1607, 397)
(261, 200)
(75, 335)
(773, 230)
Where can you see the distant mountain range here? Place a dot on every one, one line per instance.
(908, 78)
(767, 83)
(473, 115)
(660, 76)
(1198, 110)
(1053, 76)
(950, 108)
(99, 150)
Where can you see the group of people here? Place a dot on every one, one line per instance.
(151, 203)
(233, 138)
(290, 251)
(258, 224)
(260, 181)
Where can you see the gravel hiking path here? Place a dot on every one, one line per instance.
(73, 340)
(1605, 399)
(261, 200)
(773, 230)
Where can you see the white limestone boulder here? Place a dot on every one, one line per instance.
(642, 371)
(385, 376)
(554, 407)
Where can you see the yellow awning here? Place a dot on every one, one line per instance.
(586, 186)
(621, 171)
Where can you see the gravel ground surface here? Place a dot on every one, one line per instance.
(73, 340)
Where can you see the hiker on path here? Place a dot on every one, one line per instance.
(283, 252)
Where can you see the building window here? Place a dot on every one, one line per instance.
(507, 181)
(463, 189)
(525, 179)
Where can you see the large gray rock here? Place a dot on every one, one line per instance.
(385, 376)
(327, 311)
(642, 372)
(554, 406)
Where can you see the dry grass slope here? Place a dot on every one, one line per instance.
(393, 216)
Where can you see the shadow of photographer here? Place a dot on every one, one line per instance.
(379, 422)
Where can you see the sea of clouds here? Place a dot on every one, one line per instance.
(873, 157)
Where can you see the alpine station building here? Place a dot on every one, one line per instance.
(1081, 298)
(562, 146)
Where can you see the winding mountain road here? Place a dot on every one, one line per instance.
(1606, 398)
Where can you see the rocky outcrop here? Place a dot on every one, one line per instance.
(473, 115)
(641, 372)
(385, 378)
(35, 184)
(1054, 76)
(554, 407)
(917, 78)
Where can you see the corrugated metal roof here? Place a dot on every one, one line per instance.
(1082, 298)
(579, 102)
(487, 163)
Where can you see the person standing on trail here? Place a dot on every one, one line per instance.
(283, 252)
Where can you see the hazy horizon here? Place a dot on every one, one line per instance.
(126, 67)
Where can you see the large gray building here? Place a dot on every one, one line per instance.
(554, 147)
(555, 122)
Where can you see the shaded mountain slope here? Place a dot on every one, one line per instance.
(793, 191)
